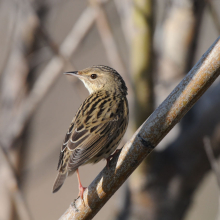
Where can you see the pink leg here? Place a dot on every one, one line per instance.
(81, 188)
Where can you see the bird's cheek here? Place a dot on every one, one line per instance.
(102, 86)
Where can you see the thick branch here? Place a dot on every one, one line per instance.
(163, 119)
(141, 60)
(176, 172)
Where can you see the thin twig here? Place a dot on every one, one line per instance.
(211, 157)
(214, 15)
(107, 38)
(12, 183)
(53, 69)
(11, 36)
(214, 164)
(124, 11)
(110, 45)
(46, 36)
(146, 138)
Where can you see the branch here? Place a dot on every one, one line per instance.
(13, 188)
(141, 62)
(211, 157)
(214, 164)
(180, 35)
(163, 119)
(214, 15)
(124, 8)
(171, 69)
(108, 40)
(170, 188)
(53, 70)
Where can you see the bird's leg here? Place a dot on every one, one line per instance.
(110, 157)
(81, 188)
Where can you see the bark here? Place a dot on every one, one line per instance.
(176, 105)
(178, 46)
(176, 172)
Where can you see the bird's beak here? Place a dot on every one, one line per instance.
(74, 73)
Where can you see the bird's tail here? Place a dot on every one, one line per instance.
(59, 181)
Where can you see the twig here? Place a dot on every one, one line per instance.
(124, 11)
(214, 15)
(12, 183)
(11, 36)
(53, 69)
(163, 119)
(107, 38)
(214, 164)
(110, 45)
(211, 157)
(43, 32)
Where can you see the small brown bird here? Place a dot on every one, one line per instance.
(99, 124)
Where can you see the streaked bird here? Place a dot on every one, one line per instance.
(99, 124)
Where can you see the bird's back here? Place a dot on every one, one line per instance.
(94, 133)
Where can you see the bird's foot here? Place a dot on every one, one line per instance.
(81, 191)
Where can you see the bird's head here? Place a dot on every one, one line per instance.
(101, 77)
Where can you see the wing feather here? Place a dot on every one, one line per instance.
(87, 136)
(90, 147)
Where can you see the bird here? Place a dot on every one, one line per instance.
(99, 124)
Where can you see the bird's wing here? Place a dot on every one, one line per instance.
(91, 144)
(93, 129)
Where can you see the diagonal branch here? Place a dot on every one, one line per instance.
(53, 70)
(108, 39)
(146, 138)
(13, 187)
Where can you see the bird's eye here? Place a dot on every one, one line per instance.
(93, 76)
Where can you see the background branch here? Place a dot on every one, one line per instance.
(214, 165)
(212, 160)
(52, 71)
(108, 40)
(214, 15)
(36, 105)
(13, 187)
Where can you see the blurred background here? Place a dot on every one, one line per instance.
(152, 44)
